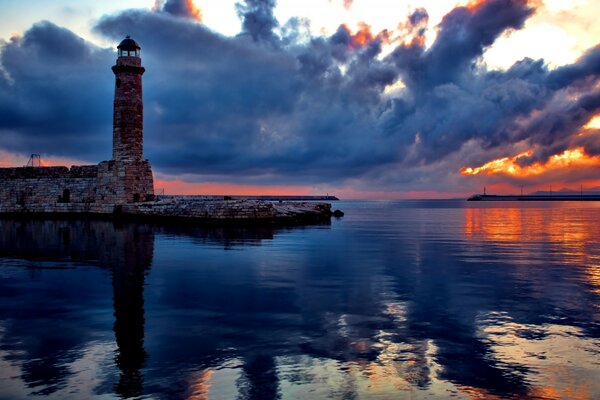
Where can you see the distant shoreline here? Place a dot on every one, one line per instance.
(535, 197)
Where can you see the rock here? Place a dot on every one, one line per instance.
(338, 213)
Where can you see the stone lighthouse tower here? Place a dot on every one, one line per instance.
(127, 178)
(128, 117)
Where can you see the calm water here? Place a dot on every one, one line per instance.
(433, 299)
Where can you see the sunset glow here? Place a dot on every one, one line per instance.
(572, 158)
(594, 123)
(176, 186)
(20, 160)
(360, 98)
(186, 8)
(362, 37)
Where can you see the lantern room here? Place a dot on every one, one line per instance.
(128, 48)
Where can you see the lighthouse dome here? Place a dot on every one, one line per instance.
(128, 44)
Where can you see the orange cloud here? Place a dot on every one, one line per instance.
(571, 158)
(363, 36)
(593, 123)
(193, 11)
(185, 8)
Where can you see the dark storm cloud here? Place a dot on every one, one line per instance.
(418, 17)
(464, 35)
(265, 107)
(258, 19)
(55, 95)
(456, 100)
(587, 66)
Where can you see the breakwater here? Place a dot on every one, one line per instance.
(535, 197)
(244, 197)
(191, 210)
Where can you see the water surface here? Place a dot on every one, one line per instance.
(410, 299)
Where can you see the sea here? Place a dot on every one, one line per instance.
(431, 299)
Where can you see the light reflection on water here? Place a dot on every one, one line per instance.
(432, 299)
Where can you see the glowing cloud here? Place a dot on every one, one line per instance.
(594, 123)
(180, 8)
(571, 158)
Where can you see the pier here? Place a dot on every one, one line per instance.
(535, 197)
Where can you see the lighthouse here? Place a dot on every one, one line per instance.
(128, 117)
(127, 177)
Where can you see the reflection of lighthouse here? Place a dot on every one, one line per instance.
(133, 247)
(131, 258)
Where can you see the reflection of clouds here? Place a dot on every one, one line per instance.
(10, 368)
(562, 359)
(317, 377)
(88, 370)
(86, 373)
(199, 384)
(593, 276)
(307, 377)
(409, 311)
(527, 230)
(536, 236)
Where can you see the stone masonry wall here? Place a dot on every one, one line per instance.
(124, 182)
(88, 188)
(207, 210)
(230, 210)
(47, 185)
(128, 117)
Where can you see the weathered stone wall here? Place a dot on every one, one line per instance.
(237, 209)
(124, 182)
(88, 188)
(47, 185)
(230, 210)
(199, 210)
(128, 117)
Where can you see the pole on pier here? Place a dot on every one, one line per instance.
(34, 161)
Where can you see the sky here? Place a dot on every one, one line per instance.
(361, 99)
